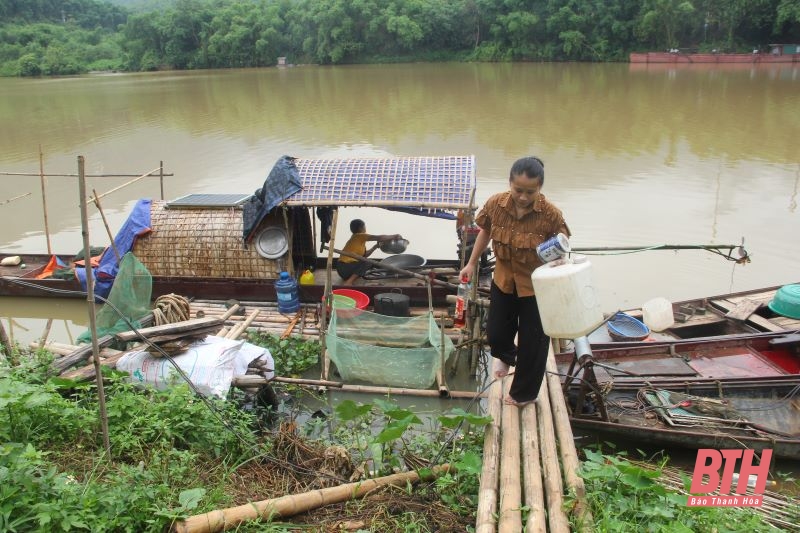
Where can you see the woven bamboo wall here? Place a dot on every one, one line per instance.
(202, 243)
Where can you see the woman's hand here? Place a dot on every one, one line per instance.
(466, 272)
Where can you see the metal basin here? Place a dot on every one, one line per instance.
(404, 261)
(395, 246)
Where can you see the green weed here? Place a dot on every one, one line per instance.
(627, 497)
(292, 356)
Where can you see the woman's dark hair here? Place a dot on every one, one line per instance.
(356, 225)
(531, 166)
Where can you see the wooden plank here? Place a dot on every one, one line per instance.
(759, 321)
(80, 354)
(763, 297)
(743, 309)
(175, 327)
(87, 372)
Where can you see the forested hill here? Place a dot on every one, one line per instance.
(88, 14)
(50, 37)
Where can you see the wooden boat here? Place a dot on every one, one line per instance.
(195, 246)
(724, 315)
(729, 414)
(23, 283)
(748, 389)
(778, 54)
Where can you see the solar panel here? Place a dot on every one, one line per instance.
(208, 200)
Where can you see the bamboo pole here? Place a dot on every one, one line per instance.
(532, 472)
(440, 377)
(249, 381)
(161, 177)
(292, 324)
(223, 519)
(46, 332)
(61, 349)
(488, 491)
(510, 520)
(75, 175)
(569, 455)
(475, 351)
(43, 182)
(554, 493)
(69, 332)
(230, 312)
(9, 200)
(326, 361)
(105, 223)
(115, 189)
(377, 203)
(6, 344)
(237, 331)
(101, 395)
(400, 391)
(57, 348)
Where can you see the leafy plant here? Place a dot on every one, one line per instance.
(627, 497)
(292, 355)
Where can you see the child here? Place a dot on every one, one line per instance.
(350, 269)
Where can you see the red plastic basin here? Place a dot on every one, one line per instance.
(362, 300)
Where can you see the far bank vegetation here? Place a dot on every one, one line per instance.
(52, 37)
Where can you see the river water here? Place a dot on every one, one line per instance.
(634, 155)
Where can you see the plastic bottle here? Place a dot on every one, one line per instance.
(657, 314)
(286, 290)
(462, 296)
(307, 277)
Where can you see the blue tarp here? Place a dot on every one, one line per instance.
(282, 182)
(138, 223)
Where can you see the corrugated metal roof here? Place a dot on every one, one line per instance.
(419, 182)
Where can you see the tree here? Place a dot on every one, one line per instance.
(662, 20)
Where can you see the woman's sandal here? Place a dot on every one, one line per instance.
(508, 400)
(500, 368)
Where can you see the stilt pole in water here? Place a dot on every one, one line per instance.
(43, 181)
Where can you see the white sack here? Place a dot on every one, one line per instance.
(210, 364)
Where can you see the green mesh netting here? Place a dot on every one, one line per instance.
(130, 294)
(387, 350)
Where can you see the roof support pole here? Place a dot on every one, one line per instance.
(323, 327)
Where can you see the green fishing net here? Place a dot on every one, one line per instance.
(130, 297)
(387, 350)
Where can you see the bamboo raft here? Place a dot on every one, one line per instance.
(530, 460)
(271, 321)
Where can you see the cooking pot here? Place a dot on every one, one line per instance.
(391, 304)
(395, 246)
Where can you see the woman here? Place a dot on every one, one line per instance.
(516, 222)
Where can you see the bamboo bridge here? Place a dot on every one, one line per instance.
(530, 461)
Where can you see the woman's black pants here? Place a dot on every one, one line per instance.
(511, 316)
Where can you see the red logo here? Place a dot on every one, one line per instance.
(708, 464)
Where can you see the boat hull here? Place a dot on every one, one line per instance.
(690, 59)
(23, 283)
(771, 420)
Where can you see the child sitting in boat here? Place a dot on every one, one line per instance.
(350, 268)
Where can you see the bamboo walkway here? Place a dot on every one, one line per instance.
(530, 461)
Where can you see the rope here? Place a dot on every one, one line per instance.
(170, 308)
